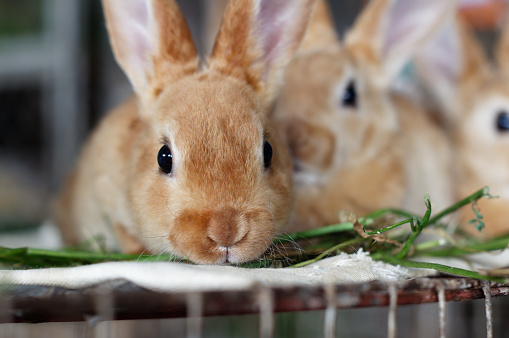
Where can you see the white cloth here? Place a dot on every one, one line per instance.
(179, 277)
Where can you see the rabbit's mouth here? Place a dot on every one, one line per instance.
(226, 259)
(229, 254)
(243, 251)
(233, 255)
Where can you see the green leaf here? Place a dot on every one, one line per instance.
(479, 225)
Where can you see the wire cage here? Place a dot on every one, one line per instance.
(121, 300)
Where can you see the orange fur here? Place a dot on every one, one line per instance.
(219, 204)
(234, 53)
(362, 40)
(129, 243)
(321, 31)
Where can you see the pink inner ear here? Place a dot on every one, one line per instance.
(409, 21)
(443, 54)
(140, 47)
(133, 31)
(275, 19)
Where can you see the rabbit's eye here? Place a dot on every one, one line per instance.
(164, 159)
(349, 98)
(267, 154)
(503, 121)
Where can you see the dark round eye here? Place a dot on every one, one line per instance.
(164, 159)
(267, 154)
(349, 98)
(503, 121)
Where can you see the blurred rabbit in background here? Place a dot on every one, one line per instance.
(472, 94)
(355, 145)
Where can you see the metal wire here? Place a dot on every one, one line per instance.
(393, 304)
(194, 321)
(330, 311)
(266, 305)
(489, 312)
(441, 311)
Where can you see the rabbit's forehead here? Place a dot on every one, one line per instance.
(312, 85)
(205, 116)
(200, 104)
(226, 148)
(317, 69)
(220, 133)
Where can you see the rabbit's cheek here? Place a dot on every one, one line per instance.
(369, 137)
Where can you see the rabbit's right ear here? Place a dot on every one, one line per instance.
(258, 39)
(151, 42)
(454, 58)
(388, 33)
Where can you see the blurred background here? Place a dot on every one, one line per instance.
(58, 77)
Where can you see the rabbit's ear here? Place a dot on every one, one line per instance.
(258, 39)
(454, 58)
(502, 49)
(389, 32)
(151, 42)
(321, 31)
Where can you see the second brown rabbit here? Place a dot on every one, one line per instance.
(355, 145)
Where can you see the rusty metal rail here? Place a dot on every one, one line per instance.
(121, 300)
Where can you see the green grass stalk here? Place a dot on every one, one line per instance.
(435, 266)
(317, 232)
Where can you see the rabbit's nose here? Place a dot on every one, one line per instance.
(226, 228)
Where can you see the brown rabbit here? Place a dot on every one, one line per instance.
(191, 166)
(473, 95)
(355, 145)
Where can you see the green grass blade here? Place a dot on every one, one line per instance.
(438, 267)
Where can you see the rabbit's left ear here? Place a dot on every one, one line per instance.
(151, 42)
(389, 32)
(452, 60)
(258, 39)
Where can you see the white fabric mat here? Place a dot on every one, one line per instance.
(179, 277)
